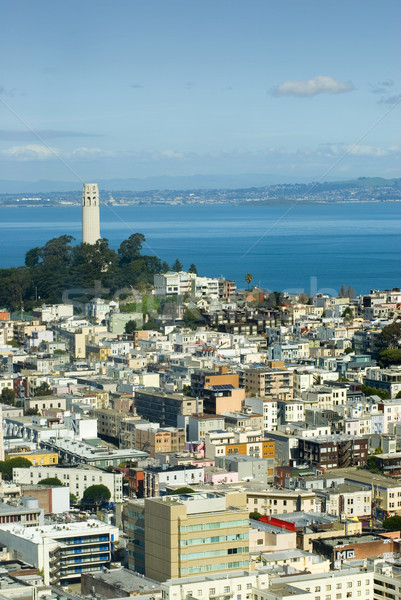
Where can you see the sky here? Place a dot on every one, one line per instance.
(297, 90)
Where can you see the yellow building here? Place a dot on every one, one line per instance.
(40, 458)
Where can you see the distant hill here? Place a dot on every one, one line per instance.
(163, 182)
(129, 191)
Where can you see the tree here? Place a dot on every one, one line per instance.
(7, 396)
(151, 325)
(130, 327)
(7, 466)
(390, 336)
(43, 390)
(343, 292)
(369, 391)
(392, 523)
(390, 357)
(372, 464)
(193, 269)
(32, 258)
(303, 298)
(95, 494)
(181, 490)
(248, 279)
(348, 350)
(347, 313)
(192, 318)
(351, 292)
(255, 515)
(54, 481)
(130, 249)
(176, 266)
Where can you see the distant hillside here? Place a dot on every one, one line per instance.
(364, 189)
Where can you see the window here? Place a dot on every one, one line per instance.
(212, 591)
(226, 589)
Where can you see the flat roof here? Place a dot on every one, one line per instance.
(56, 531)
(353, 539)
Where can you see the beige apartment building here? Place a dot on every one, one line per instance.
(276, 383)
(278, 502)
(153, 439)
(190, 534)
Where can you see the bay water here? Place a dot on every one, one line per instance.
(309, 248)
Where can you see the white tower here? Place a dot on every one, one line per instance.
(90, 214)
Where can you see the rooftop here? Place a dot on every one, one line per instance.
(36, 535)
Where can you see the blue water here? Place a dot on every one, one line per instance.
(308, 248)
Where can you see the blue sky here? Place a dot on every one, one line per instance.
(295, 89)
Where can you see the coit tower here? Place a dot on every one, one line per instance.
(90, 214)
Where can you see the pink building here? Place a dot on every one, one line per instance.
(217, 476)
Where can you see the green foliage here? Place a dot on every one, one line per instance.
(43, 390)
(54, 481)
(7, 396)
(186, 389)
(391, 356)
(348, 350)
(378, 451)
(192, 318)
(73, 498)
(193, 269)
(181, 490)
(58, 266)
(248, 279)
(30, 412)
(176, 266)
(372, 464)
(130, 327)
(130, 250)
(392, 523)
(369, 391)
(95, 494)
(390, 336)
(255, 515)
(7, 466)
(348, 313)
(151, 325)
(129, 308)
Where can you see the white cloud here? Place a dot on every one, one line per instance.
(321, 84)
(84, 152)
(30, 152)
(360, 150)
(167, 154)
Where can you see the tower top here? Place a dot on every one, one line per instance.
(90, 213)
(90, 194)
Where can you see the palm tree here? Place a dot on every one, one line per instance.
(248, 278)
